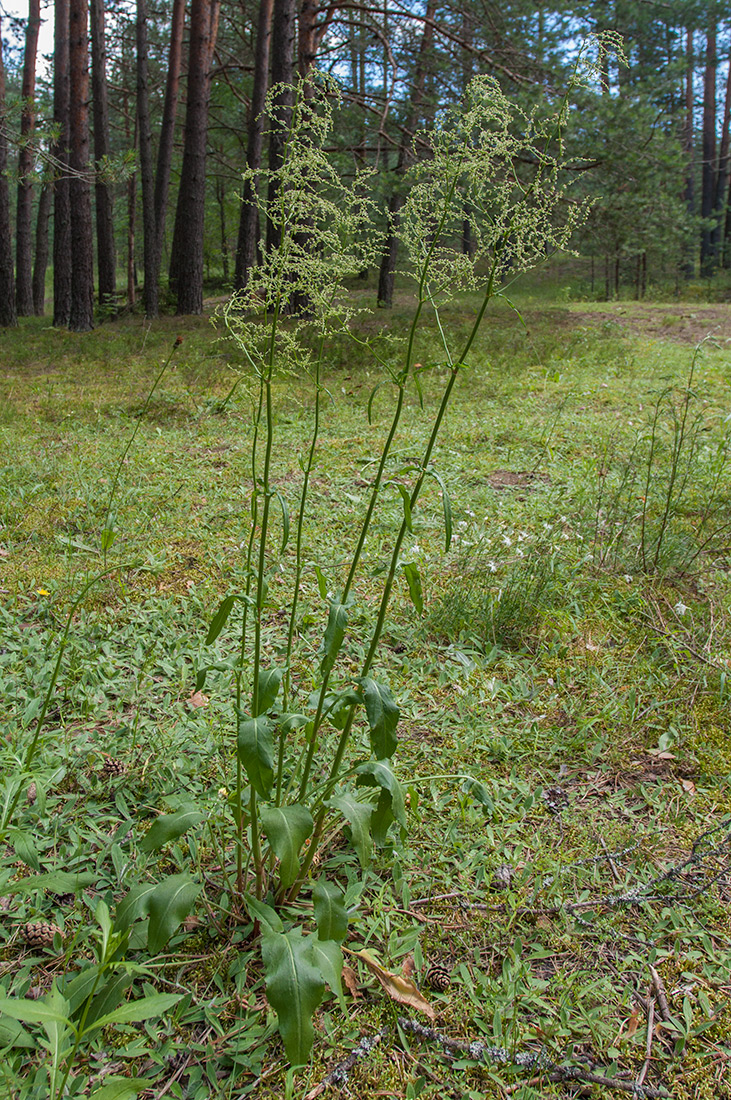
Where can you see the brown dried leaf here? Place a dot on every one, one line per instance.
(197, 699)
(634, 1021)
(351, 981)
(399, 988)
(688, 786)
(407, 967)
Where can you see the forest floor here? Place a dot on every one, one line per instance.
(571, 928)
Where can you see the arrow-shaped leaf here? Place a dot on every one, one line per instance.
(358, 815)
(256, 752)
(169, 827)
(169, 905)
(294, 988)
(330, 912)
(383, 716)
(287, 828)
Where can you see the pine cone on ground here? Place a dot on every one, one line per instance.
(39, 933)
(438, 978)
(112, 767)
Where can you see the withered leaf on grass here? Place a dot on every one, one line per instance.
(398, 987)
(197, 699)
(350, 978)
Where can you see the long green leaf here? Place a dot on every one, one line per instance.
(287, 828)
(268, 689)
(378, 773)
(263, 913)
(447, 505)
(109, 997)
(358, 815)
(169, 827)
(413, 579)
(35, 1012)
(331, 915)
(134, 906)
(383, 716)
(406, 498)
(219, 619)
(121, 1088)
(334, 635)
(13, 1034)
(256, 752)
(146, 1008)
(329, 957)
(53, 882)
(285, 519)
(294, 988)
(169, 905)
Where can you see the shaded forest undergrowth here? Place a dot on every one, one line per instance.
(566, 917)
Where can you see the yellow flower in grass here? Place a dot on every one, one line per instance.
(43, 592)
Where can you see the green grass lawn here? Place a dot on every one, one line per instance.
(572, 657)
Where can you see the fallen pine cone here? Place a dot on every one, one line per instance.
(112, 767)
(39, 933)
(438, 978)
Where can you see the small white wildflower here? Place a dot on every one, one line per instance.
(507, 540)
(462, 525)
(492, 567)
(628, 578)
(469, 512)
(520, 553)
(416, 549)
(680, 608)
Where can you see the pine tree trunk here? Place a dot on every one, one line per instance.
(708, 258)
(167, 129)
(283, 31)
(41, 258)
(186, 265)
(105, 246)
(61, 186)
(689, 193)
(387, 273)
(82, 256)
(144, 129)
(23, 227)
(722, 178)
(8, 315)
(248, 238)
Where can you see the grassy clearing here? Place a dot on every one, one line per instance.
(591, 698)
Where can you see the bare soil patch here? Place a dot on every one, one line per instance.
(683, 324)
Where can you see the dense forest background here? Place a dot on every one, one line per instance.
(121, 155)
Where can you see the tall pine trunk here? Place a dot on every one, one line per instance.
(24, 223)
(722, 177)
(688, 130)
(105, 246)
(8, 315)
(144, 130)
(167, 129)
(61, 186)
(186, 264)
(283, 31)
(248, 238)
(708, 258)
(82, 255)
(41, 257)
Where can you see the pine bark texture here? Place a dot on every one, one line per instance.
(105, 245)
(167, 129)
(144, 130)
(23, 221)
(186, 267)
(709, 152)
(61, 186)
(283, 32)
(40, 263)
(8, 315)
(248, 238)
(82, 254)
